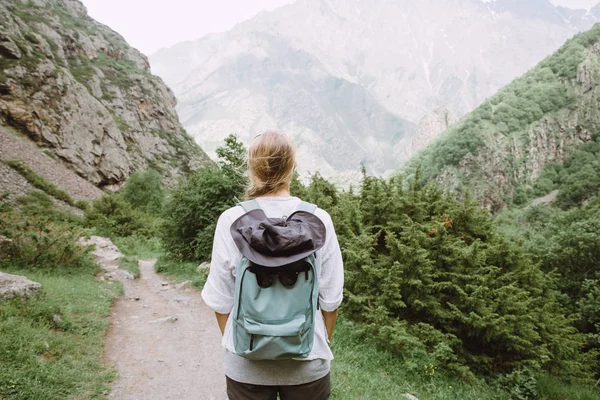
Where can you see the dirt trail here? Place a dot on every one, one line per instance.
(158, 357)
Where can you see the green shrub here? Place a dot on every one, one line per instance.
(191, 214)
(112, 216)
(566, 243)
(39, 204)
(82, 205)
(145, 191)
(428, 274)
(42, 242)
(520, 384)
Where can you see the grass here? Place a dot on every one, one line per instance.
(136, 249)
(182, 271)
(51, 347)
(40, 183)
(551, 389)
(361, 370)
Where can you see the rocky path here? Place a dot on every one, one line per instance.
(164, 342)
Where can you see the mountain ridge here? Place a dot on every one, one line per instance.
(409, 57)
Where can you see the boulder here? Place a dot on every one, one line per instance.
(408, 396)
(16, 286)
(105, 251)
(8, 48)
(204, 265)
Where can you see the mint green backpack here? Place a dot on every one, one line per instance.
(277, 287)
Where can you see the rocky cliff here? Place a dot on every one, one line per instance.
(430, 127)
(75, 88)
(536, 120)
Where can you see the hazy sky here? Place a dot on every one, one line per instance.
(576, 3)
(149, 25)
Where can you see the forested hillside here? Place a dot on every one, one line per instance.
(502, 147)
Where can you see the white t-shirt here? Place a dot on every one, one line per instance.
(219, 290)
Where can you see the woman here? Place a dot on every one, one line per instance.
(271, 165)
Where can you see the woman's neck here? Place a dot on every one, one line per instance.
(283, 192)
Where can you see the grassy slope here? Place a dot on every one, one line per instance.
(51, 346)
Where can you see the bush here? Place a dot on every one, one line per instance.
(426, 273)
(145, 191)
(35, 241)
(520, 384)
(113, 216)
(191, 214)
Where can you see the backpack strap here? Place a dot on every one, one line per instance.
(249, 205)
(308, 207)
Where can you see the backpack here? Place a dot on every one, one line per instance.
(277, 286)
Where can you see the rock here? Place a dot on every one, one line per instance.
(16, 286)
(408, 396)
(4, 239)
(105, 251)
(57, 319)
(549, 198)
(165, 319)
(430, 127)
(124, 274)
(182, 299)
(204, 265)
(8, 48)
(182, 284)
(164, 283)
(110, 275)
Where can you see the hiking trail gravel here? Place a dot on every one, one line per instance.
(164, 342)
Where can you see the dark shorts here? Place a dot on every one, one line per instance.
(317, 390)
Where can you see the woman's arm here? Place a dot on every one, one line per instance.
(330, 318)
(222, 321)
(331, 279)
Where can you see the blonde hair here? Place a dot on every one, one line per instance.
(271, 162)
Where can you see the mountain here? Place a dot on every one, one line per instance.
(81, 93)
(541, 9)
(350, 80)
(506, 143)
